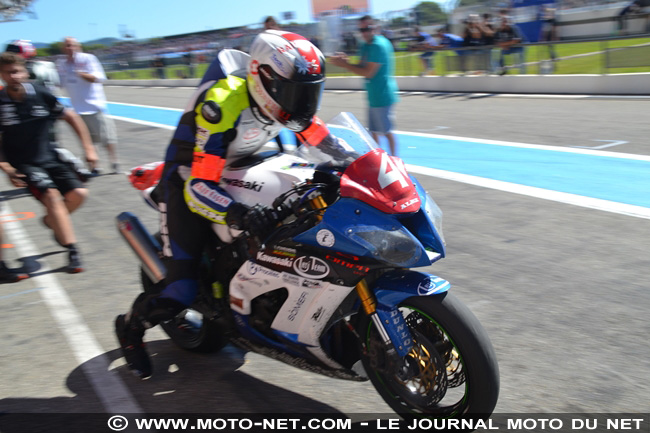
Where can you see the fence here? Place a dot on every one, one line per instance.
(588, 56)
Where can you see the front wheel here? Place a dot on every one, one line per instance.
(451, 371)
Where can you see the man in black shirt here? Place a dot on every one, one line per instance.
(27, 112)
(509, 38)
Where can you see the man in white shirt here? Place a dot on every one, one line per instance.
(82, 76)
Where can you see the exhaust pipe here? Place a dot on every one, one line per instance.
(145, 246)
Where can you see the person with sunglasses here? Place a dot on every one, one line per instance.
(377, 66)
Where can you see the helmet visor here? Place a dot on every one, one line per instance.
(299, 100)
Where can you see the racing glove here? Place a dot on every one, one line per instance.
(259, 221)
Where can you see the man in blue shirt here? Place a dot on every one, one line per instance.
(377, 65)
(424, 42)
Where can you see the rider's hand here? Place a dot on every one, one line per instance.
(258, 220)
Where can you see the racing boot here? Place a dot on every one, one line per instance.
(148, 310)
(129, 334)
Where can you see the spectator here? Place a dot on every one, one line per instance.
(26, 113)
(40, 72)
(509, 38)
(190, 61)
(159, 67)
(377, 66)
(271, 24)
(424, 42)
(82, 76)
(449, 40)
(486, 27)
(45, 74)
(473, 37)
(635, 6)
(548, 31)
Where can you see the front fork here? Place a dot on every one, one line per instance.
(389, 323)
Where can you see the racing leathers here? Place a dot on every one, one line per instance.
(220, 124)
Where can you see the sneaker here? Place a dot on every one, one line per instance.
(116, 168)
(11, 275)
(74, 266)
(133, 348)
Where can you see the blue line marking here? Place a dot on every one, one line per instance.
(603, 177)
(21, 293)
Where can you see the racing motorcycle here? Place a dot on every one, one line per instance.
(331, 289)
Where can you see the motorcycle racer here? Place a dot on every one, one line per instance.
(241, 103)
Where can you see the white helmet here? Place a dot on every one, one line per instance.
(286, 75)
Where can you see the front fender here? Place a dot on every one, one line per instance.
(395, 286)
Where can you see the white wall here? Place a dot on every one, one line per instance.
(610, 84)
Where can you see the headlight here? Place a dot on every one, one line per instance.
(396, 247)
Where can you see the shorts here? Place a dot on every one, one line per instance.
(101, 128)
(380, 119)
(53, 174)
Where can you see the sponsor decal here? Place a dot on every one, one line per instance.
(237, 302)
(353, 266)
(400, 326)
(255, 269)
(430, 286)
(285, 48)
(325, 238)
(311, 284)
(294, 280)
(254, 67)
(239, 183)
(206, 213)
(410, 202)
(305, 66)
(39, 111)
(9, 116)
(211, 112)
(311, 267)
(317, 314)
(203, 190)
(284, 251)
(296, 308)
(300, 165)
(251, 134)
(278, 62)
(202, 136)
(278, 261)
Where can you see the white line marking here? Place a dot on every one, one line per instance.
(144, 122)
(561, 197)
(108, 386)
(610, 143)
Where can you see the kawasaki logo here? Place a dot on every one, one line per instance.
(254, 186)
(280, 261)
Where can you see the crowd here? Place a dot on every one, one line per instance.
(482, 46)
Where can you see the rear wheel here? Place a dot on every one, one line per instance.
(451, 371)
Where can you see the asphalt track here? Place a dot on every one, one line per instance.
(547, 246)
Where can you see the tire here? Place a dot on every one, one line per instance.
(450, 372)
(188, 330)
